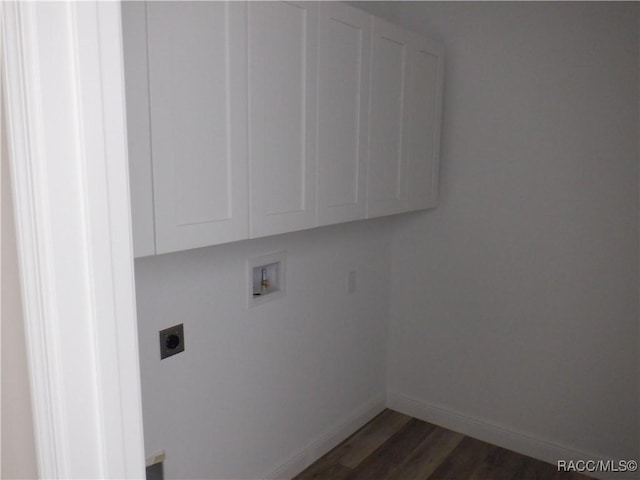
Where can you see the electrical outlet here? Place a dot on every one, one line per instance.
(171, 341)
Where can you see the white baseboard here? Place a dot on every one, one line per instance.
(328, 439)
(498, 435)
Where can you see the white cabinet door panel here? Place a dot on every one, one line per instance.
(343, 101)
(134, 39)
(406, 106)
(424, 126)
(389, 114)
(197, 74)
(282, 116)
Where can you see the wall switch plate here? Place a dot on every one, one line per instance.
(171, 341)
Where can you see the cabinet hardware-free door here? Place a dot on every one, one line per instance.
(390, 70)
(405, 117)
(134, 40)
(344, 54)
(282, 116)
(197, 79)
(423, 139)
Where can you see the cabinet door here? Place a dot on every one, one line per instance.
(282, 116)
(197, 72)
(423, 139)
(134, 40)
(344, 49)
(389, 114)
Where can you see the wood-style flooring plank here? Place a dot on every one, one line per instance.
(394, 446)
(340, 461)
(324, 470)
(570, 476)
(499, 464)
(537, 470)
(427, 456)
(365, 441)
(383, 462)
(462, 461)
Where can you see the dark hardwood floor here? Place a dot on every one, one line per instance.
(394, 446)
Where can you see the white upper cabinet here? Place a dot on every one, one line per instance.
(248, 119)
(282, 116)
(406, 92)
(390, 72)
(344, 52)
(197, 81)
(134, 39)
(423, 136)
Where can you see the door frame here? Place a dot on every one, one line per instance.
(63, 88)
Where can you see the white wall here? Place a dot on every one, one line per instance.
(515, 302)
(18, 458)
(255, 386)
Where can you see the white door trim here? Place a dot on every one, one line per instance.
(63, 84)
